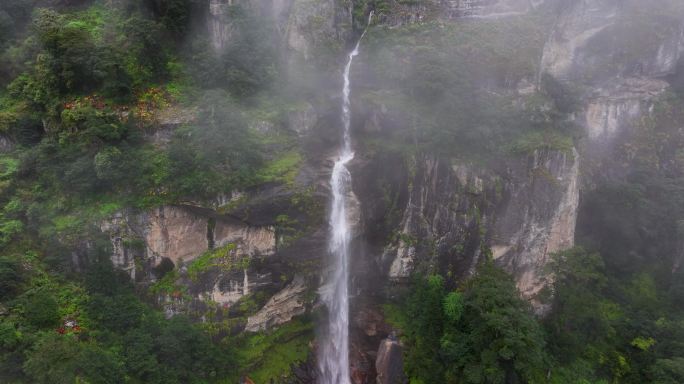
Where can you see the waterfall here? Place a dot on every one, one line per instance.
(333, 359)
(245, 284)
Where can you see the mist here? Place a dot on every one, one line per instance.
(335, 192)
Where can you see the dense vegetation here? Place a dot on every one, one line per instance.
(616, 304)
(86, 88)
(453, 88)
(84, 85)
(604, 328)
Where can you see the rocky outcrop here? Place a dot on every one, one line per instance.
(368, 329)
(440, 225)
(577, 25)
(317, 25)
(455, 211)
(403, 13)
(281, 308)
(220, 27)
(125, 248)
(181, 234)
(167, 121)
(250, 240)
(408, 13)
(389, 363)
(538, 219)
(488, 8)
(618, 105)
(6, 144)
(175, 233)
(303, 119)
(595, 40)
(229, 288)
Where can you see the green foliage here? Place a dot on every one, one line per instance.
(608, 326)
(449, 88)
(113, 337)
(453, 306)
(542, 141)
(11, 277)
(215, 155)
(643, 343)
(580, 316)
(497, 339)
(424, 327)
(394, 315)
(174, 14)
(63, 360)
(668, 371)
(8, 166)
(40, 308)
(168, 284)
(283, 169)
(615, 214)
(483, 333)
(222, 258)
(269, 356)
(245, 66)
(288, 230)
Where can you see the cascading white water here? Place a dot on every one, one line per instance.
(333, 359)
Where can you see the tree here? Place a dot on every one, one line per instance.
(425, 322)
(61, 359)
(496, 339)
(217, 154)
(668, 371)
(112, 303)
(40, 309)
(11, 277)
(174, 14)
(581, 317)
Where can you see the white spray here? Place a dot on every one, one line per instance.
(333, 359)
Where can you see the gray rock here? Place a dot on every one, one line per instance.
(181, 233)
(539, 220)
(219, 24)
(613, 108)
(587, 42)
(281, 308)
(488, 8)
(316, 23)
(450, 205)
(6, 144)
(302, 120)
(389, 363)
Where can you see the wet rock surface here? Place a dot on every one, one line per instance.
(389, 363)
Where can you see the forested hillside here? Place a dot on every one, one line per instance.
(510, 175)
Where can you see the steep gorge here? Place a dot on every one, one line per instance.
(482, 131)
(448, 215)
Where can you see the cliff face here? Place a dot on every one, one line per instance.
(539, 218)
(315, 26)
(620, 55)
(596, 40)
(174, 236)
(427, 212)
(444, 215)
(488, 8)
(456, 214)
(527, 210)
